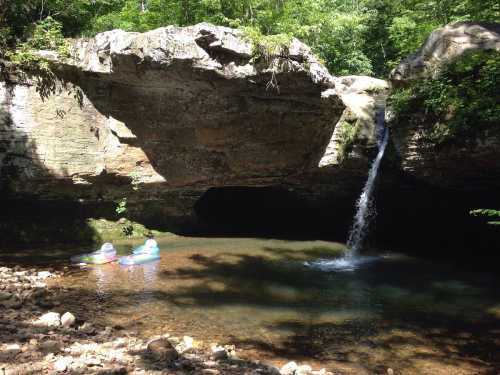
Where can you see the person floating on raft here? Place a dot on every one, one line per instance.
(142, 254)
(105, 254)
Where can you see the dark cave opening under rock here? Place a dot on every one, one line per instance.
(272, 211)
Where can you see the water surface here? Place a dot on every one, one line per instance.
(415, 316)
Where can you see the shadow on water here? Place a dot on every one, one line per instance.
(406, 314)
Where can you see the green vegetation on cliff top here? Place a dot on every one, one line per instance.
(351, 36)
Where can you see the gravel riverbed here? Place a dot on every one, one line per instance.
(38, 336)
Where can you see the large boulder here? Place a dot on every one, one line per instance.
(175, 107)
(444, 45)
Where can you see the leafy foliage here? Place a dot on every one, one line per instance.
(462, 101)
(489, 213)
(46, 35)
(351, 36)
(121, 206)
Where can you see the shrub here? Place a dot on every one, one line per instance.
(462, 103)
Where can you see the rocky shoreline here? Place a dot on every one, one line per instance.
(34, 339)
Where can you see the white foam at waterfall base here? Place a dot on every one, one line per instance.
(365, 212)
(343, 264)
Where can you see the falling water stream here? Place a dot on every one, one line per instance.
(365, 210)
(365, 204)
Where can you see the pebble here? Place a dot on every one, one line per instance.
(44, 274)
(67, 320)
(162, 349)
(219, 353)
(62, 364)
(50, 346)
(210, 371)
(54, 347)
(50, 319)
(13, 348)
(303, 370)
(5, 295)
(185, 345)
(87, 328)
(289, 368)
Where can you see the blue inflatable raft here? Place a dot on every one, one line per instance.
(142, 254)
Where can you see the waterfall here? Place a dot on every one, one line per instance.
(365, 211)
(365, 206)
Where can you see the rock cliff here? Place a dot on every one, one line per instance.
(173, 107)
(469, 163)
(162, 116)
(444, 45)
(194, 126)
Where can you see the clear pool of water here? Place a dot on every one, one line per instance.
(280, 300)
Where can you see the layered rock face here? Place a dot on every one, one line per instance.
(189, 124)
(355, 135)
(171, 108)
(444, 45)
(174, 109)
(472, 164)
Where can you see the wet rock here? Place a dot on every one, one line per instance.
(50, 319)
(67, 320)
(289, 368)
(162, 350)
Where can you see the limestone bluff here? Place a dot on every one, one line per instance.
(172, 108)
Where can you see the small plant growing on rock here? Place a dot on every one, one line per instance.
(121, 206)
(46, 35)
(488, 213)
(273, 50)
